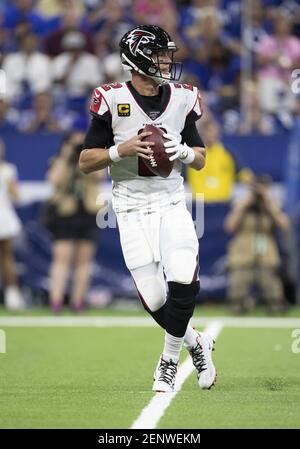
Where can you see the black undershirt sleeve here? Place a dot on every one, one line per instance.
(99, 134)
(190, 134)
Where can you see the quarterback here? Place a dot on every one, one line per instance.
(157, 234)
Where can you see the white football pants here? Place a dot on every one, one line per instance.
(157, 245)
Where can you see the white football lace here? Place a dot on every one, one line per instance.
(153, 161)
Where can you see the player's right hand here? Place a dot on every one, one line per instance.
(136, 146)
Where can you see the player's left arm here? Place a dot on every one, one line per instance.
(191, 150)
(191, 137)
(190, 134)
(200, 156)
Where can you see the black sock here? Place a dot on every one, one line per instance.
(160, 315)
(180, 307)
(175, 314)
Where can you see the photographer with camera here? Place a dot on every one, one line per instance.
(253, 256)
(71, 218)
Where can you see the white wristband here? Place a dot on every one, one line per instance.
(187, 155)
(114, 154)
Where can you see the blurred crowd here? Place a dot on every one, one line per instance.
(54, 52)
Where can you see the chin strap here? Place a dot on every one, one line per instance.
(159, 81)
(128, 65)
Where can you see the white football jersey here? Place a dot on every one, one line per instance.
(132, 186)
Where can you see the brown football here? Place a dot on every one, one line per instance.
(159, 163)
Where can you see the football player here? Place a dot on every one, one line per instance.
(157, 234)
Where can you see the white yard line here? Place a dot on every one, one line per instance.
(130, 321)
(156, 408)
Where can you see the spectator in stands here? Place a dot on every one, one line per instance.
(5, 42)
(43, 117)
(112, 68)
(254, 119)
(109, 21)
(224, 77)
(277, 55)
(159, 12)
(18, 11)
(16, 35)
(256, 27)
(231, 11)
(28, 71)
(214, 54)
(70, 20)
(253, 256)
(292, 7)
(10, 226)
(71, 218)
(217, 178)
(203, 25)
(75, 70)
(97, 14)
(164, 14)
(8, 118)
(197, 70)
(50, 8)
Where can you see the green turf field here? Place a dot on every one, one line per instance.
(57, 377)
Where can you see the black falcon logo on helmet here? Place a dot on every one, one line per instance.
(138, 37)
